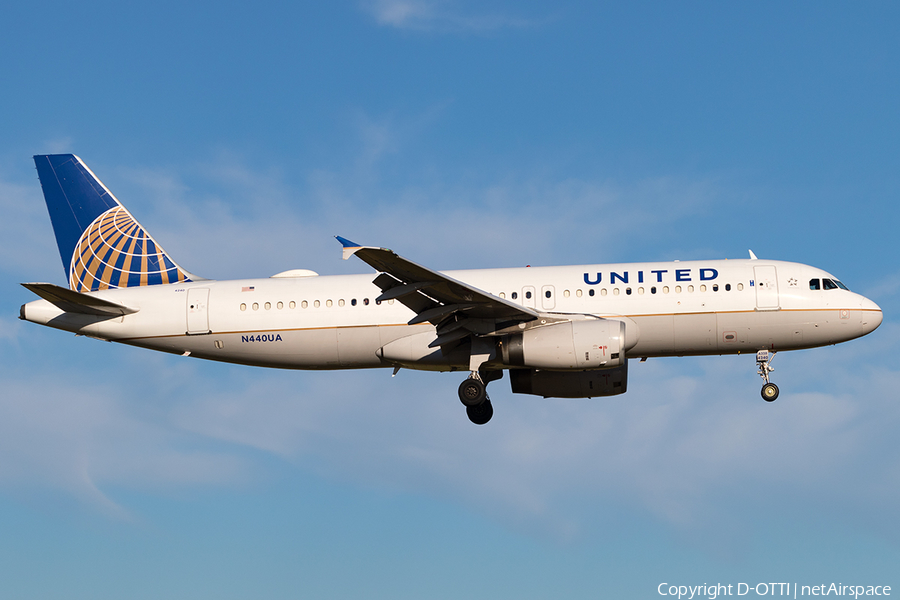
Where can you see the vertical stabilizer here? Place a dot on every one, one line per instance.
(101, 245)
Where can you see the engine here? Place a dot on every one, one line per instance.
(568, 384)
(571, 345)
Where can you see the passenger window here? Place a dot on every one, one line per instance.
(627, 291)
(352, 301)
(528, 295)
(727, 287)
(365, 301)
(591, 292)
(813, 284)
(828, 284)
(514, 295)
(547, 294)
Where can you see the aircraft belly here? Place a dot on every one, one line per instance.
(696, 333)
(357, 346)
(825, 327)
(303, 349)
(657, 335)
(309, 349)
(744, 331)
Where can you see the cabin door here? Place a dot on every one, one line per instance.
(766, 288)
(197, 311)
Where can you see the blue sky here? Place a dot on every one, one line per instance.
(462, 135)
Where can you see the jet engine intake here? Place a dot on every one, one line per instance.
(571, 345)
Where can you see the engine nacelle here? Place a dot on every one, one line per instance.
(588, 344)
(563, 384)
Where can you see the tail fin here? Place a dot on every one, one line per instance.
(102, 246)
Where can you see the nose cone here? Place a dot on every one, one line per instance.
(871, 316)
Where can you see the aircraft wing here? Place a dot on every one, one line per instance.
(77, 302)
(436, 298)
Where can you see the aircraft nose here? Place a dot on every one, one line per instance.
(871, 316)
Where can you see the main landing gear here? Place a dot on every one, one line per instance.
(769, 390)
(473, 394)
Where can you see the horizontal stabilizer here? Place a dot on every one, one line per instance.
(76, 302)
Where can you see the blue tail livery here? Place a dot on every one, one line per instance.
(101, 245)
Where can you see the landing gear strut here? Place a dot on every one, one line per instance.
(769, 390)
(473, 394)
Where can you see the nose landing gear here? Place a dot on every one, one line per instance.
(769, 390)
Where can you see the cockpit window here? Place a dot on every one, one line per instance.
(827, 284)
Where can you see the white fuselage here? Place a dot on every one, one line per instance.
(334, 322)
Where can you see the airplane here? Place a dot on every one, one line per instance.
(564, 331)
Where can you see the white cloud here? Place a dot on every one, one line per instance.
(674, 446)
(76, 435)
(223, 219)
(9, 329)
(60, 145)
(27, 244)
(438, 15)
(886, 289)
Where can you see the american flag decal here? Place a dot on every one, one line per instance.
(248, 288)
